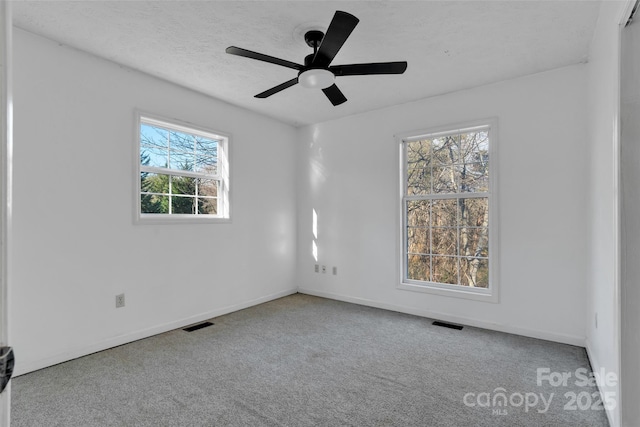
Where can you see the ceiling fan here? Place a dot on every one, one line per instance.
(317, 71)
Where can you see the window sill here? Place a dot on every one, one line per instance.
(475, 294)
(179, 219)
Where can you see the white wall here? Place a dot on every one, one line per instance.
(348, 173)
(630, 224)
(603, 294)
(6, 66)
(76, 246)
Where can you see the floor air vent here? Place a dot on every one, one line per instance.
(447, 325)
(198, 326)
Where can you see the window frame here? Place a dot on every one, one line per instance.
(491, 293)
(223, 159)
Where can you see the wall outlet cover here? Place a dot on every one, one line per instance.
(119, 300)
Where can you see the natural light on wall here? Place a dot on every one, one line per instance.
(314, 249)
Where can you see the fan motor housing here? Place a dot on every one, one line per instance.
(308, 60)
(313, 38)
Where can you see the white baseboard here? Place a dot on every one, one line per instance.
(544, 335)
(613, 415)
(74, 353)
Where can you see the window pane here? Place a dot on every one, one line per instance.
(444, 241)
(154, 156)
(418, 154)
(418, 181)
(208, 165)
(207, 187)
(446, 150)
(445, 179)
(207, 147)
(183, 205)
(444, 213)
(181, 161)
(154, 183)
(418, 241)
(473, 177)
(474, 147)
(418, 267)
(474, 272)
(207, 206)
(153, 136)
(154, 204)
(474, 241)
(445, 270)
(181, 141)
(183, 185)
(474, 212)
(418, 213)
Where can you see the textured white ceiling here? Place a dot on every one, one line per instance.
(449, 45)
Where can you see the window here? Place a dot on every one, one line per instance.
(448, 229)
(183, 172)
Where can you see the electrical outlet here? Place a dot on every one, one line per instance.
(335, 271)
(119, 300)
(324, 269)
(317, 268)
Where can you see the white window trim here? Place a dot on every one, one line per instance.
(491, 294)
(223, 167)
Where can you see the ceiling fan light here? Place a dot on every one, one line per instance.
(316, 78)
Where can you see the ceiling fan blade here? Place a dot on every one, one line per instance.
(372, 68)
(335, 95)
(277, 89)
(339, 30)
(262, 57)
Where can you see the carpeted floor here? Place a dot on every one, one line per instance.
(308, 361)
